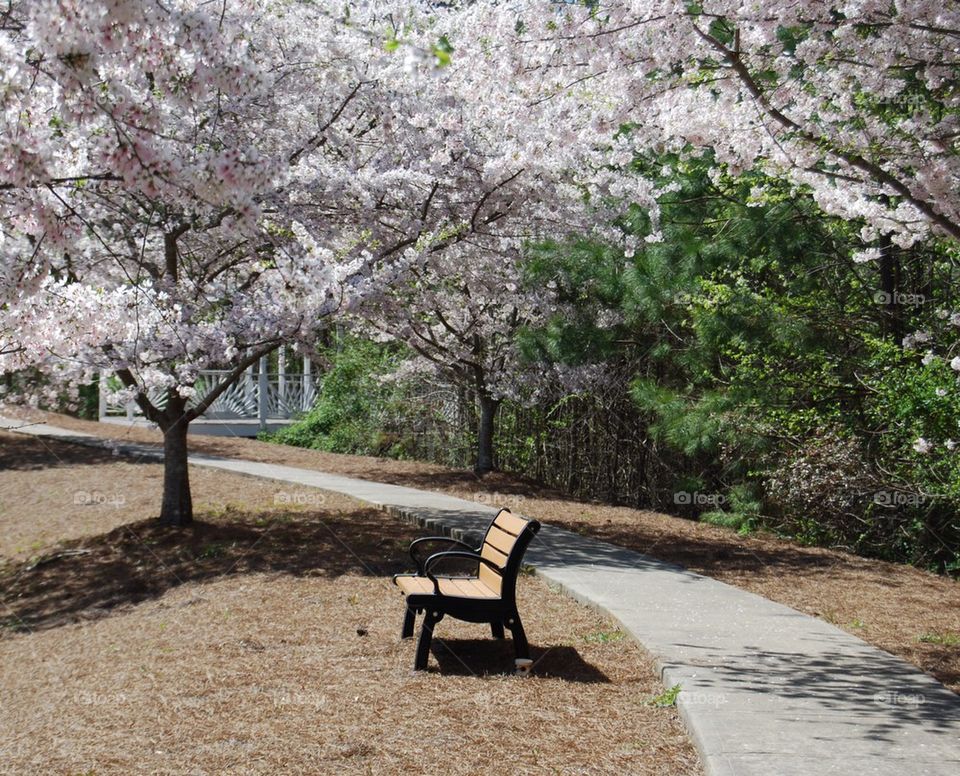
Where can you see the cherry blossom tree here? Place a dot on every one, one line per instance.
(461, 312)
(146, 156)
(537, 160)
(854, 99)
(191, 185)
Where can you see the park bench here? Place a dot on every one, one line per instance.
(489, 595)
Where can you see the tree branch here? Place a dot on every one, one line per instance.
(196, 411)
(852, 158)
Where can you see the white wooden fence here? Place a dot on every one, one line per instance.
(258, 395)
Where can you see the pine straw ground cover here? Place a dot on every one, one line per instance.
(903, 610)
(265, 639)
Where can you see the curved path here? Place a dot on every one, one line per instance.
(766, 690)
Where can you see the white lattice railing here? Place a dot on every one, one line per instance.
(263, 396)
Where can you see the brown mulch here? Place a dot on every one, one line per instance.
(265, 639)
(79, 491)
(906, 611)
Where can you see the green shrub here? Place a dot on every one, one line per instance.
(352, 399)
(742, 513)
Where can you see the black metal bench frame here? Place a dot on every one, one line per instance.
(500, 612)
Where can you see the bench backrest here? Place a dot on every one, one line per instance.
(504, 544)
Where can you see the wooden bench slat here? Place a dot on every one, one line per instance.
(476, 589)
(411, 585)
(471, 588)
(464, 588)
(487, 589)
(491, 579)
(459, 587)
(493, 555)
(501, 540)
(510, 523)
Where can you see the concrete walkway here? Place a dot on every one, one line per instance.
(766, 691)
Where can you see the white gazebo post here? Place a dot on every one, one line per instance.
(306, 399)
(282, 382)
(249, 394)
(101, 384)
(263, 389)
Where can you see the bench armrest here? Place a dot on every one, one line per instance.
(448, 539)
(440, 556)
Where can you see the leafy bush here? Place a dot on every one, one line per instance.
(823, 491)
(913, 409)
(743, 512)
(353, 398)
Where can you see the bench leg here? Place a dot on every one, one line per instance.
(426, 636)
(520, 644)
(408, 619)
(496, 628)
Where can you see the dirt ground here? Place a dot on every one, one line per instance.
(906, 611)
(265, 639)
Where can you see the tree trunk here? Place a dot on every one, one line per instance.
(488, 417)
(890, 290)
(177, 506)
